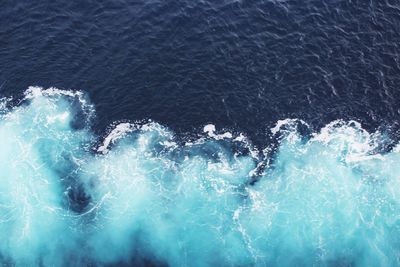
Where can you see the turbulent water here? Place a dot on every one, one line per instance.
(141, 196)
(201, 133)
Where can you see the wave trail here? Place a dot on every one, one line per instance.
(143, 196)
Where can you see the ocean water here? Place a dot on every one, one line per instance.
(199, 133)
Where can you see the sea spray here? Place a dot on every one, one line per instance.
(141, 195)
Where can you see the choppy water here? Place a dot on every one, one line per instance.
(184, 133)
(141, 195)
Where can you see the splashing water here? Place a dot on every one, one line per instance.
(321, 199)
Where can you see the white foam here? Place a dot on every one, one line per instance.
(209, 129)
(240, 138)
(169, 144)
(59, 117)
(119, 131)
(36, 91)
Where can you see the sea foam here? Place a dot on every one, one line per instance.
(139, 195)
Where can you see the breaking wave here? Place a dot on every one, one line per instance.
(143, 196)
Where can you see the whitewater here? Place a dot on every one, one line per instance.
(140, 194)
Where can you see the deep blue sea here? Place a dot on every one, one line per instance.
(200, 133)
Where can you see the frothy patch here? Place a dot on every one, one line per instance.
(327, 199)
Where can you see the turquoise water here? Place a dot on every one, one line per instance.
(68, 196)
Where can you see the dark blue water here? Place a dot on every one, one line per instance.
(302, 169)
(238, 64)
